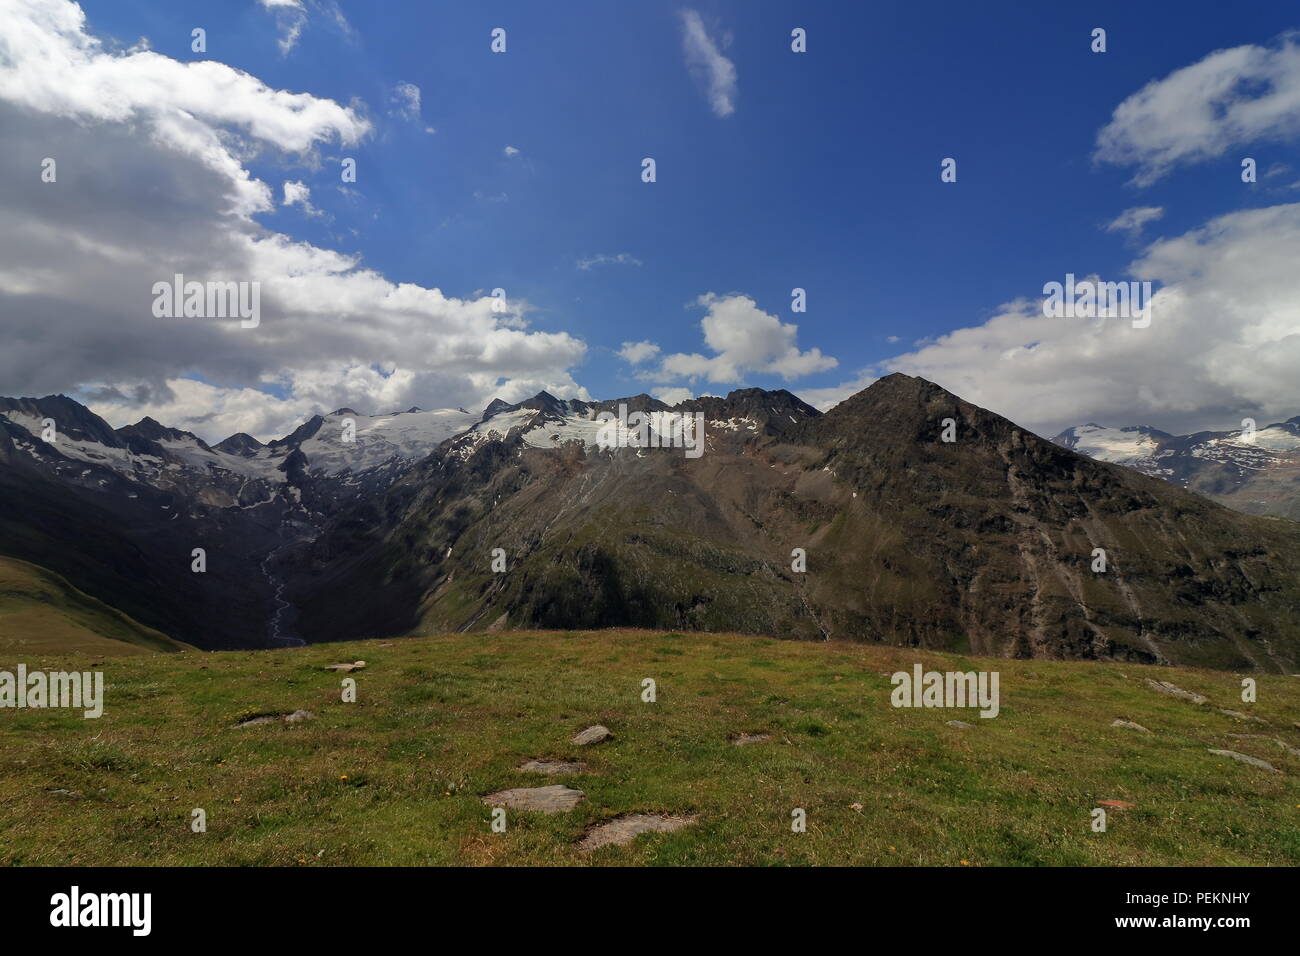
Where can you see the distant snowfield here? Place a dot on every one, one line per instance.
(1123, 446)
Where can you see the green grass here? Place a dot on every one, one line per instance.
(41, 613)
(395, 778)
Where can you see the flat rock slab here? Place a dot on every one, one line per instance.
(960, 725)
(1240, 716)
(1244, 758)
(741, 740)
(592, 735)
(625, 829)
(297, 717)
(347, 668)
(552, 767)
(1128, 725)
(1281, 743)
(1164, 687)
(556, 798)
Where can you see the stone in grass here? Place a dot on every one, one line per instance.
(961, 725)
(627, 828)
(1240, 716)
(556, 798)
(1281, 743)
(346, 668)
(1128, 725)
(297, 717)
(1164, 687)
(553, 767)
(741, 740)
(1253, 761)
(593, 735)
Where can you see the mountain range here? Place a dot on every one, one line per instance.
(1255, 471)
(904, 515)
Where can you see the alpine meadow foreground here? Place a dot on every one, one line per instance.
(398, 776)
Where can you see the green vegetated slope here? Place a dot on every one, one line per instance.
(397, 777)
(41, 613)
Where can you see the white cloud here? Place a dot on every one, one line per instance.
(622, 259)
(1223, 344)
(297, 193)
(511, 151)
(712, 70)
(290, 17)
(1132, 221)
(405, 100)
(824, 399)
(169, 193)
(1228, 99)
(672, 396)
(745, 339)
(634, 353)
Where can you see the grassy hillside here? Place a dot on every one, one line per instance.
(396, 778)
(41, 613)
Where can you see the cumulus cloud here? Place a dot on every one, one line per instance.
(634, 353)
(151, 182)
(745, 339)
(1133, 221)
(622, 259)
(711, 69)
(1223, 344)
(297, 193)
(1229, 98)
(510, 151)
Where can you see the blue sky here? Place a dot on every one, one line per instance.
(823, 174)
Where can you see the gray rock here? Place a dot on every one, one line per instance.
(961, 725)
(556, 798)
(297, 717)
(552, 767)
(1240, 716)
(1129, 725)
(740, 740)
(1164, 687)
(1253, 761)
(1281, 743)
(625, 829)
(346, 668)
(592, 735)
